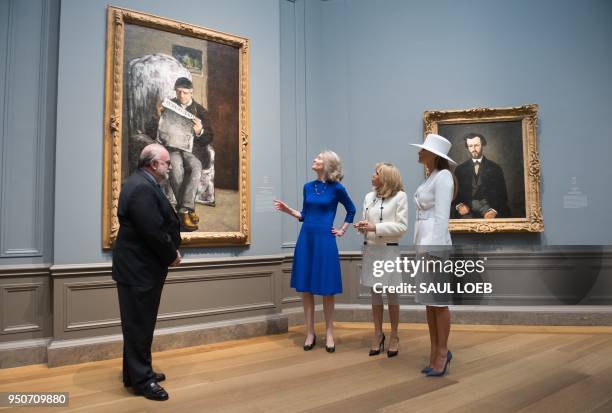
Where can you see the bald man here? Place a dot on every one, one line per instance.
(147, 244)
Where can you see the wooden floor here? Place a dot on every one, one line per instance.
(494, 369)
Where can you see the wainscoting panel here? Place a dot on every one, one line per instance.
(69, 313)
(25, 309)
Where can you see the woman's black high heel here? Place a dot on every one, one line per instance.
(381, 347)
(308, 347)
(330, 349)
(392, 353)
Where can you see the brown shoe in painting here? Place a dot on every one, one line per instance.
(186, 223)
(194, 217)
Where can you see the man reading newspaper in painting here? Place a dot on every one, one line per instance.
(181, 125)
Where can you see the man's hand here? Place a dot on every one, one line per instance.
(197, 126)
(158, 108)
(490, 214)
(463, 209)
(177, 261)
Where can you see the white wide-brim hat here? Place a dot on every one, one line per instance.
(438, 145)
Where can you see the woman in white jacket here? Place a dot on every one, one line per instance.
(432, 240)
(385, 221)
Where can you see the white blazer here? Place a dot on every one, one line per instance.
(433, 202)
(394, 213)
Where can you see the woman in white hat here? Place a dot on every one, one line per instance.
(431, 238)
(385, 221)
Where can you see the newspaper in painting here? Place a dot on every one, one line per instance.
(175, 127)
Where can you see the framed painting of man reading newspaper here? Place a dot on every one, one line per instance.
(186, 88)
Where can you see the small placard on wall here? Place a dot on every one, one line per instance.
(574, 197)
(264, 196)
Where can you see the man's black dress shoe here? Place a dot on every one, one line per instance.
(153, 391)
(156, 376)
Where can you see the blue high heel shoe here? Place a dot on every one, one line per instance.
(426, 370)
(433, 373)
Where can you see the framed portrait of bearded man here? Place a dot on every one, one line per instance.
(497, 179)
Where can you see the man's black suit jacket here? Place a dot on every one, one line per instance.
(149, 233)
(492, 187)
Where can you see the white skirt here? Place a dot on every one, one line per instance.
(373, 265)
(428, 279)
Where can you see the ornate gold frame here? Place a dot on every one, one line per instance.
(533, 222)
(113, 106)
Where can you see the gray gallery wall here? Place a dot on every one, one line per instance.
(80, 102)
(354, 76)
(28, 69)
(372, 67)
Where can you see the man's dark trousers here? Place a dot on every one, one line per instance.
(139, 308)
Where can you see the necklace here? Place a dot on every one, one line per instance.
(316, 188)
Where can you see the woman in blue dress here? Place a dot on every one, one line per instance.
(316, 263)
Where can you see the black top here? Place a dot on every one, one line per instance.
(487, 188)
(149, 233)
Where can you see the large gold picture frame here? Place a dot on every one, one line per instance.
(511, 144)
(217, 64)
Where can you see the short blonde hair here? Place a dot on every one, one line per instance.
(332, 166)
(390, 180)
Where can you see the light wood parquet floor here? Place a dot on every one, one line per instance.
(494, 369)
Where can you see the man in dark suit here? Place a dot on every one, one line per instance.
(482, 187)
(147, 243)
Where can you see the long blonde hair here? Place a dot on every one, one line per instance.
(332, 165)
(390, 180)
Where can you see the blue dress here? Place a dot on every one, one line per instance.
(316, 263)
